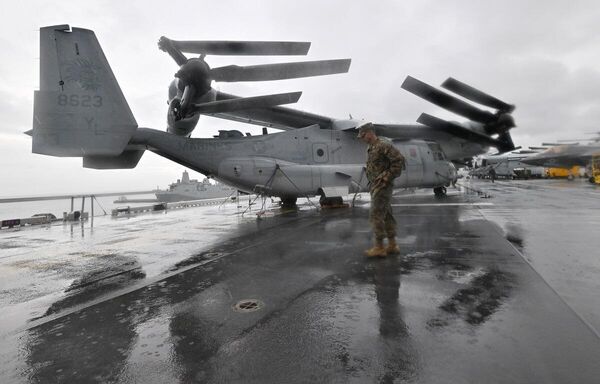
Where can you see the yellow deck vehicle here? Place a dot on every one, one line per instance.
(595, 169)
(568, 173)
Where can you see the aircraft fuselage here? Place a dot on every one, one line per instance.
(304, 162)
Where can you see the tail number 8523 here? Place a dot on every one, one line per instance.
(86, 101)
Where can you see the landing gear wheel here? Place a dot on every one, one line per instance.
(439, 191)
(329, 202)
(288, 202)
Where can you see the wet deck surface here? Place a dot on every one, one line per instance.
(497, 290)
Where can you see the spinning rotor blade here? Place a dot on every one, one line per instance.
(232, 105)
(457, 130)
(280, 71)
(243, 48)
(447, 101)
(476, 95)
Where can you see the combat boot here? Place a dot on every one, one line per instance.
(392, 248)
(377, 251)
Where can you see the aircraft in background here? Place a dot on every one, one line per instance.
(509, 165)
(568, 156)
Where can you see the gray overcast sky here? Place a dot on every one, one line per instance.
(540, 55)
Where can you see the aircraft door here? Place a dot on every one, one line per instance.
(320, 153)
(414, 164)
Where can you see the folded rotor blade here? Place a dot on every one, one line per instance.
(476, 95)
(538, 148)
(447, 101)
(281, 71)
(505, 142)
(457, 130)
(232, 105)
(243, 48)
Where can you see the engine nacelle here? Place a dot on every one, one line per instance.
(183, 126)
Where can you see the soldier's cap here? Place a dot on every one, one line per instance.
(364, 128)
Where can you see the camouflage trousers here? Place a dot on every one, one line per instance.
(381, 217)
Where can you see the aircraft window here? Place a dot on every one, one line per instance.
(435, 147)
(320, 152)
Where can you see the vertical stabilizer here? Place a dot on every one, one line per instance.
(79, 109)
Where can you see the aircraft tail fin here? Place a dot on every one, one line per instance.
(79, 110)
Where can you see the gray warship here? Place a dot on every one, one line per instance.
(186, 189)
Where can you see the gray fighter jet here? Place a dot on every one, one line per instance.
(80, 111)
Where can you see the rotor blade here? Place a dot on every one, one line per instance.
(538, 148)
(280, 71)
(457, 130)
(446, 101)
(476, 95)
(505, 142)
(241, 103)
(243, 48)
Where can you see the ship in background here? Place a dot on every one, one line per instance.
(186, 189)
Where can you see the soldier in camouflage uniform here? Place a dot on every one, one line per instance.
(384, 164)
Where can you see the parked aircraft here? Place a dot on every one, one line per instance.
(508, 165)
(80, 111)
(569, 155)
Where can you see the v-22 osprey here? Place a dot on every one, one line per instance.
(80, 111)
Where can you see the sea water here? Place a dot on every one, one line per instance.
(102, 205)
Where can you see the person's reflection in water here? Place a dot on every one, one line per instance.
(386, 278)
(398, 357)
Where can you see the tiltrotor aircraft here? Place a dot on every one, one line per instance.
(80, 111)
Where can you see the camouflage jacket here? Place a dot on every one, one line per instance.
(383, 160)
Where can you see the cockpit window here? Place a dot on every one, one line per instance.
(435, 147)
(436, 151)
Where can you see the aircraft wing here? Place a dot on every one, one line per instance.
(411, 131)
(565, 156)
(275, 117)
